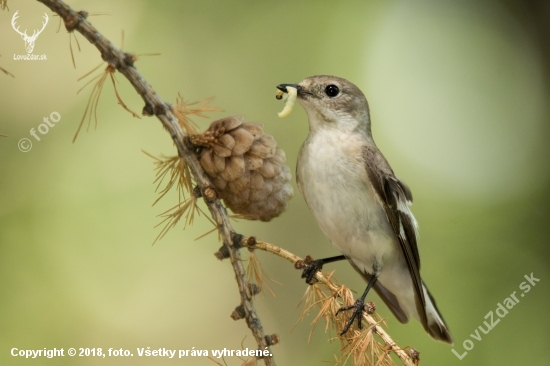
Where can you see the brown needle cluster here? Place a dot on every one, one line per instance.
(184, 111)
(360, 346)
(91, 107)
(174, 171)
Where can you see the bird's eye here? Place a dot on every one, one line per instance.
(332, 91)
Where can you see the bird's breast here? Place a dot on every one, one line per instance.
(334, 182)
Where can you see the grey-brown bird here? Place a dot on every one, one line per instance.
(359, 204)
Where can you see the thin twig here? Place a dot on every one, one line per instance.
(154, 105)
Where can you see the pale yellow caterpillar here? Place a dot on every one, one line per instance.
(289, 103)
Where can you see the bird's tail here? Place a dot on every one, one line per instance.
(431, 318)
(435, 325)
(403, 303)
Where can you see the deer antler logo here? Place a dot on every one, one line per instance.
(29, 40)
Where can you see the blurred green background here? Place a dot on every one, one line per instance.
(459, 96)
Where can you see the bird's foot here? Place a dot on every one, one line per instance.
(310, 268)
(358, 308)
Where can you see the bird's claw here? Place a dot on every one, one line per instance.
(358, 308)
(310, 268)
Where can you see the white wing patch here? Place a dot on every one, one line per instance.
(402, 231)
(404, 208)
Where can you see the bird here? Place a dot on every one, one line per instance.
(359, 203)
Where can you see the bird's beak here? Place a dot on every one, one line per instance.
(282, 87)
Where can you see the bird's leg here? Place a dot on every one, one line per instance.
(358, 307)
(310, 267)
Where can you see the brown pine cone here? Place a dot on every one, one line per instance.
(246, 167)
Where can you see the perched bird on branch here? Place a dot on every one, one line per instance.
(358, 202)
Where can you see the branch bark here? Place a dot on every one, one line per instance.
(154, 105)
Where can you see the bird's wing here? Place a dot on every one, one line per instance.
(395, 197)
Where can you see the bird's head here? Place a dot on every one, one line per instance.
(332, 102)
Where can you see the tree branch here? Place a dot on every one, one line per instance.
(124, 63)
